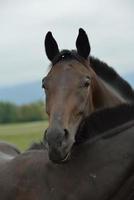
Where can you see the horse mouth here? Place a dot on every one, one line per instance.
(62, 160)
(67, 157)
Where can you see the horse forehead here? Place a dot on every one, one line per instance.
(69, 70)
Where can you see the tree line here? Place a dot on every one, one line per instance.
(10, 113)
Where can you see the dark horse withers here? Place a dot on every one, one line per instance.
(73, 91)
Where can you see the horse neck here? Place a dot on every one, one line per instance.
(103, 95)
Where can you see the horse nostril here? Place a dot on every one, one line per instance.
(56, 137)
(66, 133)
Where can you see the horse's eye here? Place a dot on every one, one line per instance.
(87, 82)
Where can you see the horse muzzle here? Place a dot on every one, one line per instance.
(58, 143)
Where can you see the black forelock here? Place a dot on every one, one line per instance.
(67, 55)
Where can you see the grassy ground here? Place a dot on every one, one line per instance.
(24, 134)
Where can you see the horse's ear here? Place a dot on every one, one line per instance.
(51, 46)
(82, 44)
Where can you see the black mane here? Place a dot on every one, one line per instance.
(109, 75)
(104, 71)
(100, 122)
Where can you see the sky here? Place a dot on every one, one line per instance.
(24, 24)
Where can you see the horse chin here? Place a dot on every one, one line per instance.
(63, 160)
(66, 158)
(63, 156)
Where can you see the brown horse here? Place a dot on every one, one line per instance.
(73, 91)
(100, 167)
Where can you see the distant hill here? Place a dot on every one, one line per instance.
(23, 93)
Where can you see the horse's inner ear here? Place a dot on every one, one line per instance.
(51, 46)
(82, 44)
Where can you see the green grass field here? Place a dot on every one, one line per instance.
(23, 134)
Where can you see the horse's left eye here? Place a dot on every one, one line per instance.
(87, 82)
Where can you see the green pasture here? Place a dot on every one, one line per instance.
(23, 134)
